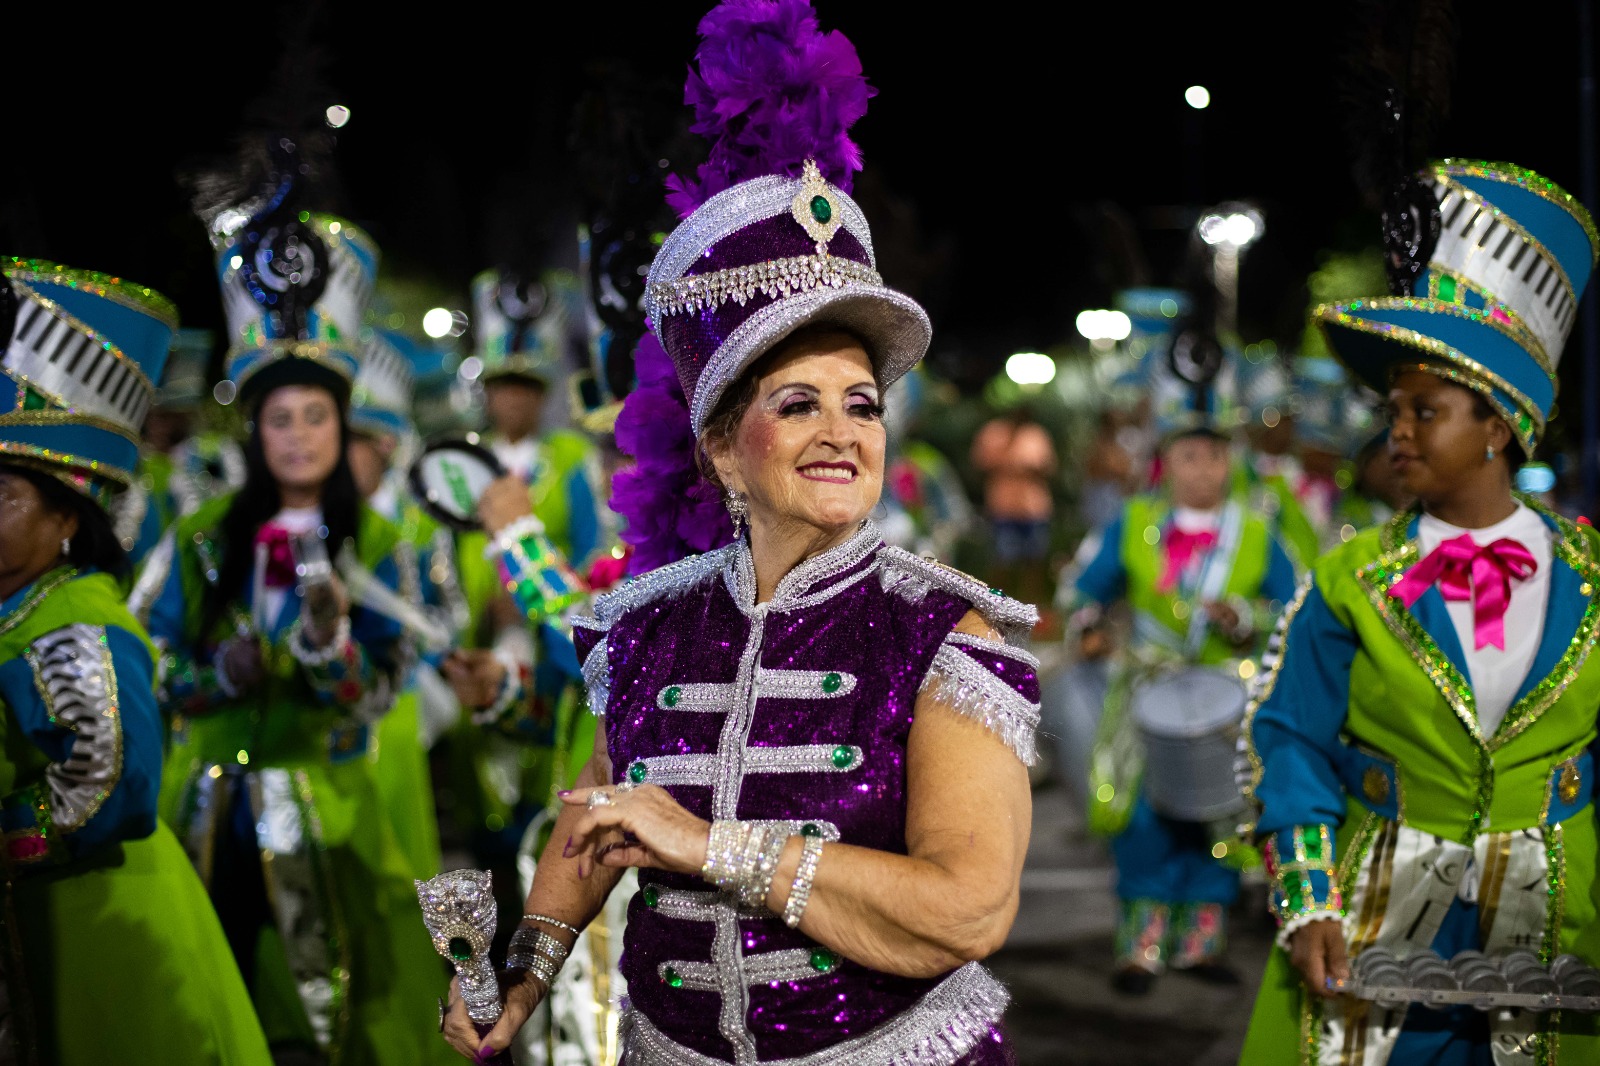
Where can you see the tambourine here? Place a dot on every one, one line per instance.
(449, 477)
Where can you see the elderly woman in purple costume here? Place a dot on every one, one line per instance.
(815, 744)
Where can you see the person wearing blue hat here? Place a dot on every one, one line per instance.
(380, 432)
(101, 909)
(1420, 744)
(1203, 577)
(278, 674)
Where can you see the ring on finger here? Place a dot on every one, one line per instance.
(444, 1008)
(600, 798)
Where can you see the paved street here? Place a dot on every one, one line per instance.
(1057, 965)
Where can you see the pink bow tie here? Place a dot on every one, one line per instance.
(280, 557)
(1465, 571)
(1181, 549)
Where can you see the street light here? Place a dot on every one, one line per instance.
(437, 323)
(1103, 329)
(1197, 97)
(1031, 368)
(1237, 230)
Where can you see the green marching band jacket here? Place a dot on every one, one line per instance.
(1374, 787)
(102, 911)
(346, 964)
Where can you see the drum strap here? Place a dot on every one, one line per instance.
(1214, 574)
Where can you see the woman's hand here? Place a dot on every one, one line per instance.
(475, 675)
(641, 826)
(324, 604)
(241, 661)
(1317, 951)
(503, 502)
(519, 995)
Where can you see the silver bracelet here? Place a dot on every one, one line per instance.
(327, 653)
(742, 857)
(557, 922)
(804, 874)
(770, 842)
(536, 951)
(724, 849)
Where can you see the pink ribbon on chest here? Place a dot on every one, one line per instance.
(1464, 570)
(280, 557)
(1181, 549)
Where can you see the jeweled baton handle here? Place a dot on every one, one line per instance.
(458, 909)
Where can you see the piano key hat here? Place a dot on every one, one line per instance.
(523, 326)
(380, 401)
(1494, 305)
(81, 354)
(295, 286)
(184, 386)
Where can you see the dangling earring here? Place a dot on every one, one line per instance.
(738, 507)
(1488, 455)
(66, 545)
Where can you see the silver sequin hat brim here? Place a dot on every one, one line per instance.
(893, 326)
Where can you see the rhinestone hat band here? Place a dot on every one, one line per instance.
(774, 279)
(820, 209)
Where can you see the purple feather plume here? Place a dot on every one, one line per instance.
(772, 90)
(671, 510)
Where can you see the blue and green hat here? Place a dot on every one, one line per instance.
(295, 290)
(523, 327)
(82, 353)
(380, 401)
(1495, 305)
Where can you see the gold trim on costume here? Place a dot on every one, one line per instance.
(129, 294)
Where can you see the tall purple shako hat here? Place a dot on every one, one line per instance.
(770, 242)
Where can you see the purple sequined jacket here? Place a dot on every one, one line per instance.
(796, 711)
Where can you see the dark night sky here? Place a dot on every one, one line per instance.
(1000, 137)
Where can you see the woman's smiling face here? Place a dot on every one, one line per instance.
(809, 450)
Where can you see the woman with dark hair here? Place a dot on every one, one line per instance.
(1421, 743)
(275, 681)
(99, 908)
(814, 744)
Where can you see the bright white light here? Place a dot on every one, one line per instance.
(437, 322)
(338, 115)
(236, 262)
(1237, 229)
(1031, 368)
(1104, 325)
(1197, 97)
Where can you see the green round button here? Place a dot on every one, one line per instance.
(672, 696)
(824, 961)
(652, 895)
(843, 756)
(811, 829)
(636, 772)
(672, 977)
(460, 948)
(821, 209)
(831, 683)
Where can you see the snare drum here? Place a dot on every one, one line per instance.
(1189, 720)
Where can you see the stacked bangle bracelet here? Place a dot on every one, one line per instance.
(536, 951)
(742, 858)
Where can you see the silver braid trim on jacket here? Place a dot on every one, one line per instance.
(73, 671)
(939, 1030)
